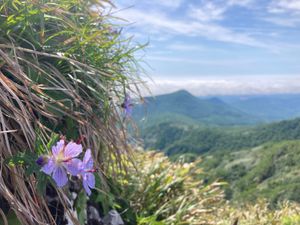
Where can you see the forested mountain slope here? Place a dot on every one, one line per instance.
(270, 171)
(173, 138)
(181, 106)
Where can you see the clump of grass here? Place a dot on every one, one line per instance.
(287, 213)
(163, 192)
(64, 68)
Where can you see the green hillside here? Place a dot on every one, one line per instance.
(256, 162)
(271, 171)
(173, 138)
(181, 106)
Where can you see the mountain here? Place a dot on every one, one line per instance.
(177, 139)
(267, 107)
(268, 171)
(183, 107)
(256, 161)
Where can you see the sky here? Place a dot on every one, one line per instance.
(216, 47)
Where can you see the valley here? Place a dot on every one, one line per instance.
(256, 157)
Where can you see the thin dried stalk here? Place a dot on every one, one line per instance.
(57, 65)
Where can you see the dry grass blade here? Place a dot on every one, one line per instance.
(62, 69)
(170, 192)
(3, 217)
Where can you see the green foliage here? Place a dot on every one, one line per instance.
(105, 199)
(165, 193)
(27, 160)
(80, 205)
(178, 139)
(44, 148)
(67, 67)
(113, 199)
(295, 219)
(11, 218)
(269, 171)
(151, 220)
(256, 162)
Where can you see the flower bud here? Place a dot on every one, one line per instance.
(42, 160)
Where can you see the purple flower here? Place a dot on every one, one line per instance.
(86, 172)
(127, 105)
(62, 159)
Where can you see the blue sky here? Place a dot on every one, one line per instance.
(217, 47)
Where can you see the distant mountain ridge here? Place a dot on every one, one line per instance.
(182, 106)
(268, 108)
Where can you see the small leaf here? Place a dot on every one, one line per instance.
(80, 206)
(42, 180)
(53, 140)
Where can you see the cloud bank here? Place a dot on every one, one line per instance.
(228, 86)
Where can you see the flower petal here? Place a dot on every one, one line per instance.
(127, 105)
(86, 187)
(88, 160)
(90, 180)
(72, 150)
(73, 166)
(60, 176)
(49, 166)
(58, 147)
(128, 111)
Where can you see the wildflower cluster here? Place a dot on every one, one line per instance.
(63, 160)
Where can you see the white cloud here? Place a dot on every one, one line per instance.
(171, 4)
(284, 13)
(223, 62)
(244, 3)
(283, 21)
(158, 23)
(166, 4)
(228, 85)
(207, 12)
(186, 47)
(282, 6)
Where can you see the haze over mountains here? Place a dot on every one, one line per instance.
(267, 107)
(181, 106)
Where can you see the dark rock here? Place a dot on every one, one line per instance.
(75, 184)
(4, 205)
(113, 218)
(55, 207)
(93, 216)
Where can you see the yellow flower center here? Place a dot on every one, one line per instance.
(60, 157)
